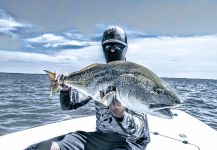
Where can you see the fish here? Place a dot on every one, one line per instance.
(136, 87)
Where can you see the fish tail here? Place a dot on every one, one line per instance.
(53, 82)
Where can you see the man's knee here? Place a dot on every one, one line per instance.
(54, 146)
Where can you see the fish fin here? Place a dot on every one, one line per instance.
(53, 82)
(90, 66)
(107, 99)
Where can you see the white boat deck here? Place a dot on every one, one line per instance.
(182, 127)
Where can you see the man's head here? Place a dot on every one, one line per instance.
(114, 44)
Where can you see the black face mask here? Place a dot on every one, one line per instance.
(114, 51)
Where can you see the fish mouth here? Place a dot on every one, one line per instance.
(163, 110)
(156, 107)
(164, 113)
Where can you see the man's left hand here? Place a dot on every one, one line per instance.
(117, 109)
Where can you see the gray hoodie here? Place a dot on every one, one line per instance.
(133, 126)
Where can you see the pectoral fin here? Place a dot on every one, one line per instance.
(107, 99)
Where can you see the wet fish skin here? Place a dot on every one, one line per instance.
(137, 88)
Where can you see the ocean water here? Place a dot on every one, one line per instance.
(25, 101)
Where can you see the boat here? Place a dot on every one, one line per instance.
(183, 132)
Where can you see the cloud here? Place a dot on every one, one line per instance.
(185, 57)
(74, 39)
(75, 34)
(65, 56)
(64, 61)
(9, 25)
(50, 40)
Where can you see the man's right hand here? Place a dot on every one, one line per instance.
(59, 78)
(65, 88)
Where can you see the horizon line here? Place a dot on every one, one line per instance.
(159, 76)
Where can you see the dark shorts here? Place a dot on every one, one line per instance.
(81, 140)
(93, 141)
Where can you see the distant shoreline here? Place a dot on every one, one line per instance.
(160, 77)
(22, 73)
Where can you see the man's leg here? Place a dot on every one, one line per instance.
(106, 141)
(81, 140)
(72, 141)
(46, 145)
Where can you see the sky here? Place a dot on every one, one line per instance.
(173, 38)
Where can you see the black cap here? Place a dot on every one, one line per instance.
(114, 35)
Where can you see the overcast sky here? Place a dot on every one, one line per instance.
(173, 38)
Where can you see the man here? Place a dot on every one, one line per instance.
(116, 127)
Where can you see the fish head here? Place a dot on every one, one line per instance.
(163, 99)
(146, 94)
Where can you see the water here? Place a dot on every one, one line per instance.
(25, 101)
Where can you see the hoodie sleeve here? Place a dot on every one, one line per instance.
(70, 100)
(65, 100)
(133, 124)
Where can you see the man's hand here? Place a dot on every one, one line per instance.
(65, 88)
(115, 107)
(59, 78)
